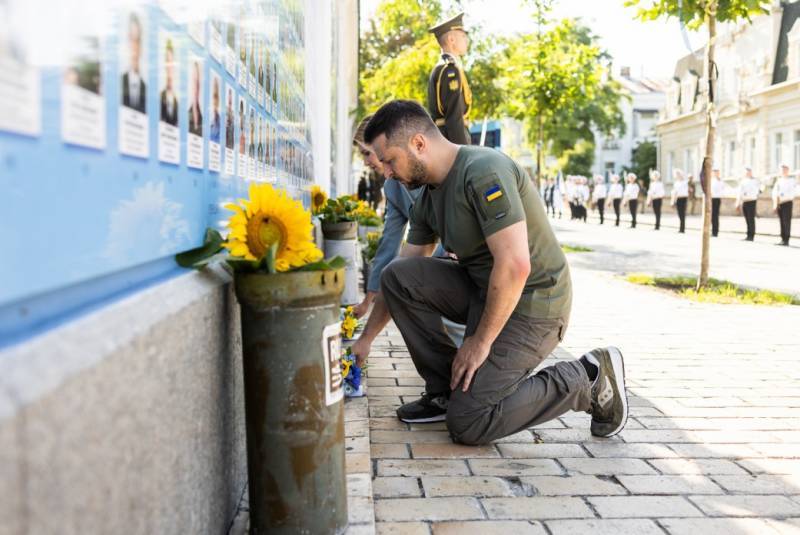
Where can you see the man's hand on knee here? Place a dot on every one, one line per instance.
(471, 356)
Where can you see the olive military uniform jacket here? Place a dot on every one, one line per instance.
(449, 99)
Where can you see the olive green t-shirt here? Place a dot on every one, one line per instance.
(484, 192)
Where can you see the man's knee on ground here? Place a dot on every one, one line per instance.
(468, 426)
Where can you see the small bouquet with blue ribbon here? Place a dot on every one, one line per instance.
(353, 388)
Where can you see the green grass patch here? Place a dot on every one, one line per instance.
(717, 291)
(574, 249)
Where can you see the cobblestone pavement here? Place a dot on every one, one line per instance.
(712, 445)
(760, 264)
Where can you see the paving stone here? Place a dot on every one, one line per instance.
(359, 485)
(576, 485)
(488, 527)
(670, 485)
(524, 436)
(697, 466)
(412, 437)
(402, 528)
(760, 484)
(611, 467)
(549, 451)
(396, 487)
(514, 467)
(714, 450)
(599, 526)
(452, 451)
(387, 424)
(432, 509)
(356, 444)
(389, 451)
(536, 508)
(623, 450)
(466, 486)
(422, 467)
(752, 505)
(717, 526)
(357, 463)
(771, 465)
(643, 506)
(360, 510)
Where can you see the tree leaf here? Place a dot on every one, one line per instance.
(200, 256)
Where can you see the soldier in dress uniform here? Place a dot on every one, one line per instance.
(599, 195)
(655, 195)
(783, 194)
(615, 195)
(449, 95)
(717, 191)
(747, 198)
(631, 195)
(680, 196)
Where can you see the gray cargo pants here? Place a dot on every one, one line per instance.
(505, 395)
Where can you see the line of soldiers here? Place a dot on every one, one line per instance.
(580, 193)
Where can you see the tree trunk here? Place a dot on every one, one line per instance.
(539, 147)
(702, 280)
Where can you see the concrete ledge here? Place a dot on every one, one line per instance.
(129, 419)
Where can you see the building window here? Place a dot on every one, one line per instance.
(670, 165)
(797, 149)
(777, 150)
(688, 160)
(731, 158)
(752, 158)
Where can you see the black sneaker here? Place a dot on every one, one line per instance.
(428, 408)
(609, 398)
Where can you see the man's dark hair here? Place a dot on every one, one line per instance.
(399, 120)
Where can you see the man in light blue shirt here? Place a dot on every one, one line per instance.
(398, 205)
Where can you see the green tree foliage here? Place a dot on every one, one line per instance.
(578, 160)
(397, 55)
(694, 13)
(564, 79)
(644, 158)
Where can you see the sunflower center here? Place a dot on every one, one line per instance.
(319, 198)
(262, 232)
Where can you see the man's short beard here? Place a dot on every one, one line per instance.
(418, 173)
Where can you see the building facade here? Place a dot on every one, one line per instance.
(640, 110)
(758, 102)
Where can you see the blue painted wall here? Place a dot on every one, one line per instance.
(80, 226)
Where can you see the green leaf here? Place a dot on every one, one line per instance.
(337, 262)
(200, 256)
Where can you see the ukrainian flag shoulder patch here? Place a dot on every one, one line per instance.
(494, 192)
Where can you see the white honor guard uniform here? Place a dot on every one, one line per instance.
(717, 191)
(747, 197)
(631, 196)
(599, 196)
(655, 195)
(680, 195)
(615, 194)
(783, 194)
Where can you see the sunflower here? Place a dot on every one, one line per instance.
(318, 199)
(270, 216)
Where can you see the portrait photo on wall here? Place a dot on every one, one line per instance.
(214, 117)
(230, 48)
(230, 114)
(83, 111)
(194, 115)
(169, 98)
(133, 125)
(20, 81)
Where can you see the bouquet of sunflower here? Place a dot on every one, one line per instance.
(366, 216)
(268, 232)
(349, 323)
